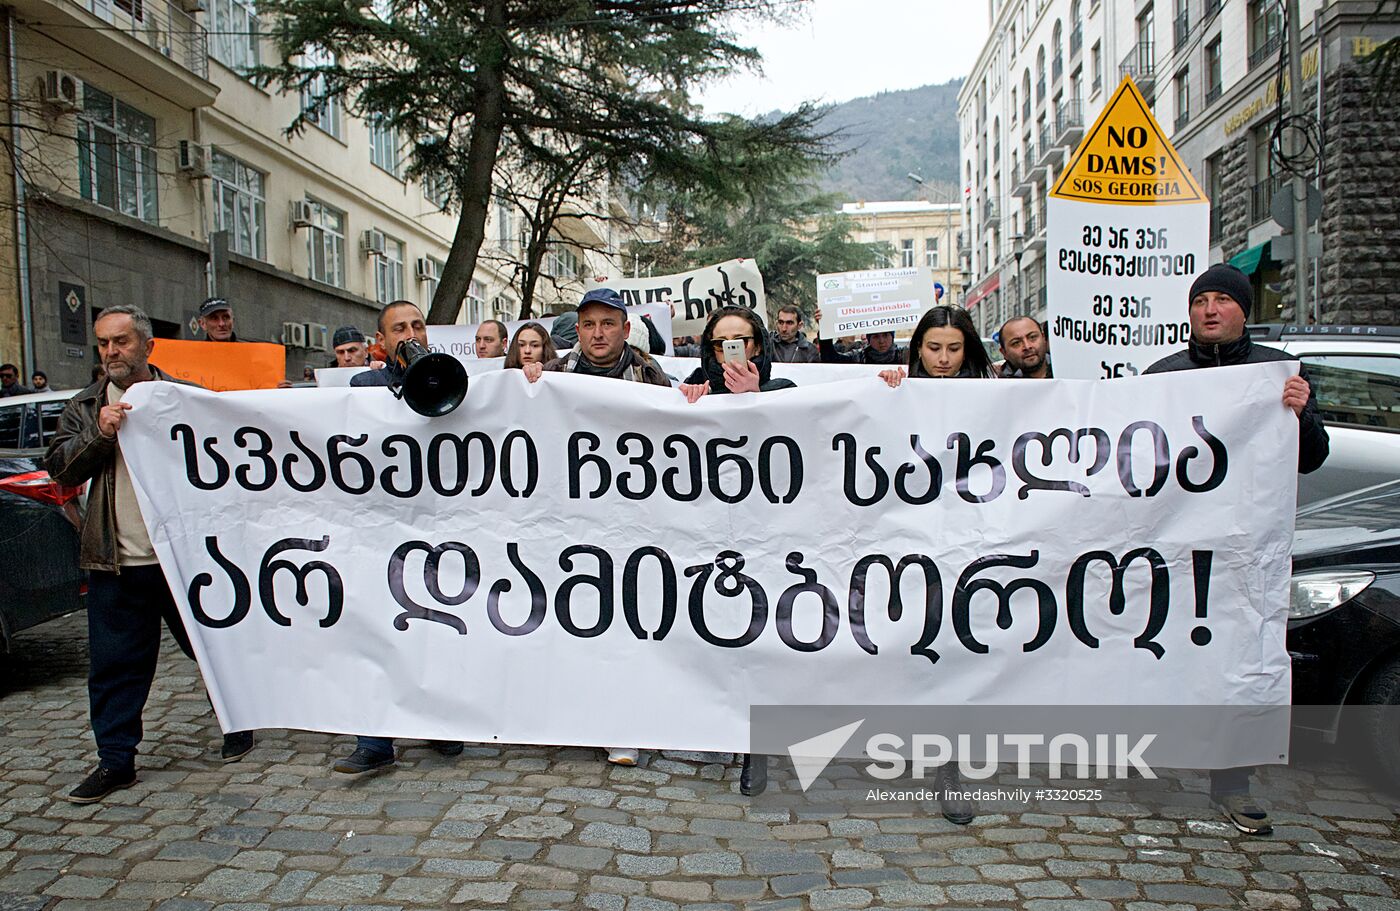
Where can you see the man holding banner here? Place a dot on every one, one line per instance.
(1219, 303)
(127, 593)
(399, 320)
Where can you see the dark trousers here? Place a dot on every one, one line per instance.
(125, 611)
(1225, 782)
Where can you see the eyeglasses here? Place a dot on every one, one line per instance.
(717, 344)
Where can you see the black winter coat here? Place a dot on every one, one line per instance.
(1313, 444)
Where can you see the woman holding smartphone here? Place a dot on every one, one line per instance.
(945, 344)
(735, 357)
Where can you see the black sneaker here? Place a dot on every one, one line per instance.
(447, 747)
(100, 783)
(362, 761)
(1245, 814)
(236, 746)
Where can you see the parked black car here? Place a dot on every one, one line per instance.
(1344, 623)
(39, 574)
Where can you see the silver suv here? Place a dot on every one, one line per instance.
(1355, 371)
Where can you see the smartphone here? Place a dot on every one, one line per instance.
(734, 351)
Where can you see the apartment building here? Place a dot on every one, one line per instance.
(151, 171)
(921, 233)
(1210, 70)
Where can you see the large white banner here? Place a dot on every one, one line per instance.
(587, 561)
(696, 293)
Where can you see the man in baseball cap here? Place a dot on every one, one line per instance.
(216, 319)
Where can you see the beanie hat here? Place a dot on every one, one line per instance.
(345, 335)
(1224, 278)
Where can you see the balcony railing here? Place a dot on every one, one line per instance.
(1076, 40)
(161, 25)
(1212, 95)
(1140, 64)
(1181, 29)
(1266, 50)
(990, 214)
(1097, 83)
(1047, 140)
(1261, 197)
(1182, 119)
(1069, 122)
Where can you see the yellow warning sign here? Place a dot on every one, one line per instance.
(1125, 159)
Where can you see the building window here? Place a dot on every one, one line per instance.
(931, 252)
(504, 225)
(438, 191)
(384, 145)
(906, 253)
(1213, 71)
(240, 204)
(1183, 98)
(325, 244)
(475, 304)
(317, 105)
(431, 281)
(117, 156)
(388, 272)
(561, 261)
(1265, 30)
(233, 35)
(1215, 187)
(1096, 67)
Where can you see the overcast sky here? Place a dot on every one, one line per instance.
(844, 49)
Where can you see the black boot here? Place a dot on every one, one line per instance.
(753, 777)
(952, 800)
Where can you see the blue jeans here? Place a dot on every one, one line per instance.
(379, 746)
(125, 611)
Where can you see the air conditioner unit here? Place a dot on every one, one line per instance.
(194, 159)
(294, 335)
(303, 214)
(425, 269)
(372, 242)
(59, 90)
(318, 336)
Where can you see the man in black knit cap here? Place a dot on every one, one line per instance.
(1220, 301)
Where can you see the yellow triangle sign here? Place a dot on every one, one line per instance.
(1125, 159)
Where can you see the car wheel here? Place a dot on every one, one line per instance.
(1377, 727)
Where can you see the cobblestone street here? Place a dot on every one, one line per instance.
(534, 827)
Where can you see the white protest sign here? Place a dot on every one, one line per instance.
(1127, 231)
(459, 339)
(696, 293)
(875, 300)
(589, 561)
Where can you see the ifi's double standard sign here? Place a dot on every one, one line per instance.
(1128, 229)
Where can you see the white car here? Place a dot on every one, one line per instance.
(1355, 371)
(30, 421)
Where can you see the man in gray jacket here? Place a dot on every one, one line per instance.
(127, 593)
(790, 346)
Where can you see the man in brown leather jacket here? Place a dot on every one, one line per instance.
(127, 592)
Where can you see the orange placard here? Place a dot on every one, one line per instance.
(222, 366)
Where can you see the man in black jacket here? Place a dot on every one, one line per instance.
(127, 593)
(1220, 301)
(879, 349)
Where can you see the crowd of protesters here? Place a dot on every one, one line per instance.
(128, 596)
